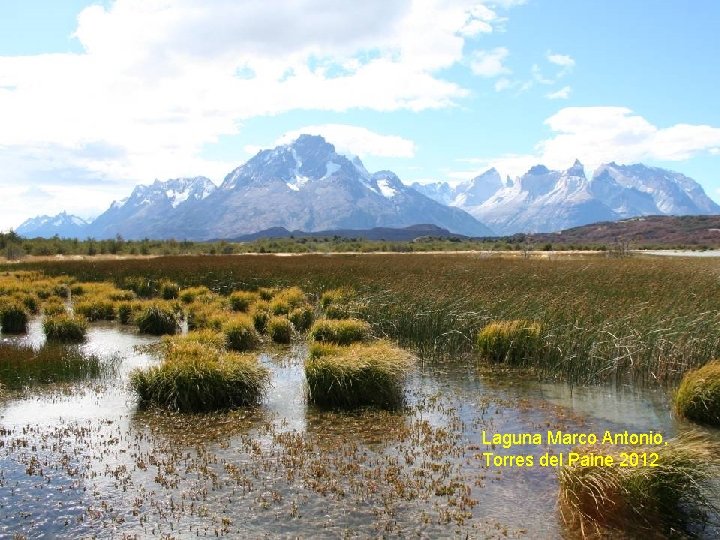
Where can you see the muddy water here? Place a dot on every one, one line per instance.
(80, 460)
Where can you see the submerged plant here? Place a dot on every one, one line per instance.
(22, 366)
(511, 342)
(65, 328)
(635, 500)
(361, 374)
(698, 396)
(195, 377)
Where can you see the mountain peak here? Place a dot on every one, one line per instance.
(537, 170)
(577, 169)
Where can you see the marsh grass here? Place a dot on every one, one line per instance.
(302, 318)
(240, 334)
(279, 329)
(195, 377)
(241, 300)
(206, 337)
(698, 396)
(601, 502)
(340, 332)
(126, 311)
(358, 375)
(53, 306)
(22, 366)
(65, 328)
(157, 320)
(260, 313)
(632, 320)
(511, 342)
(13, 318)
(168, 290)
(95, 308)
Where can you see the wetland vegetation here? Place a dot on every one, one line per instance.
(448, 344)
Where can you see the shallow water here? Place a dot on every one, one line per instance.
(81, 460)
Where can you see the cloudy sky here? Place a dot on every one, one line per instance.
(97, 97)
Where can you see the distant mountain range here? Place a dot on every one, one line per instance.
(308, 186)
(543, 200)
(305, 186)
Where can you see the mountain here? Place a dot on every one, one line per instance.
(63, 225)
(144, 212)
(376, 233)
(305, 185)
(543, 200)
(308, 186)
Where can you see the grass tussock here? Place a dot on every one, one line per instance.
(96, 308)
(260, 313)
(302, 318)
(511, 342)
(192, 294)
(195, 377)
(279, 329)
(340, 332)
(53, 306)
(358, 375)
(157, 320)
(698, 396)
(13, 318)
(241, 300)
(65, 328)
(206, 337)
(240, 333)
(604, 501)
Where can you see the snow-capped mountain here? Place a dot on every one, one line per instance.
(64, 225)
(304, 186)
(543, 200)
(308, 186)
(143, 213)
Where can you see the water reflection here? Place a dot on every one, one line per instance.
(86, 461)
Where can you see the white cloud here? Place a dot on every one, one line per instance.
(158, 80)
(356, 140)
(563, 93)
(490, 63)
(562, 60)
(597, 135)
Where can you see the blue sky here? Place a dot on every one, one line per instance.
(97, 97)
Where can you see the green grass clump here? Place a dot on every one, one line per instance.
(65, 328)
(191, 294)
(336, 296)
(143, 287)
(241, 300)
(511, 342)
(266, 293)
(156, 320)
(13, 318)
(53, 306)
(169, 290)
(279, 329)
(260, 313)
(698, 396)
(240, 333)
(602, 501)
(95, 309)
(195, 377)
(358, 375)
(126, 311)
(206, 337)
(341, 332)
(302, 318)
